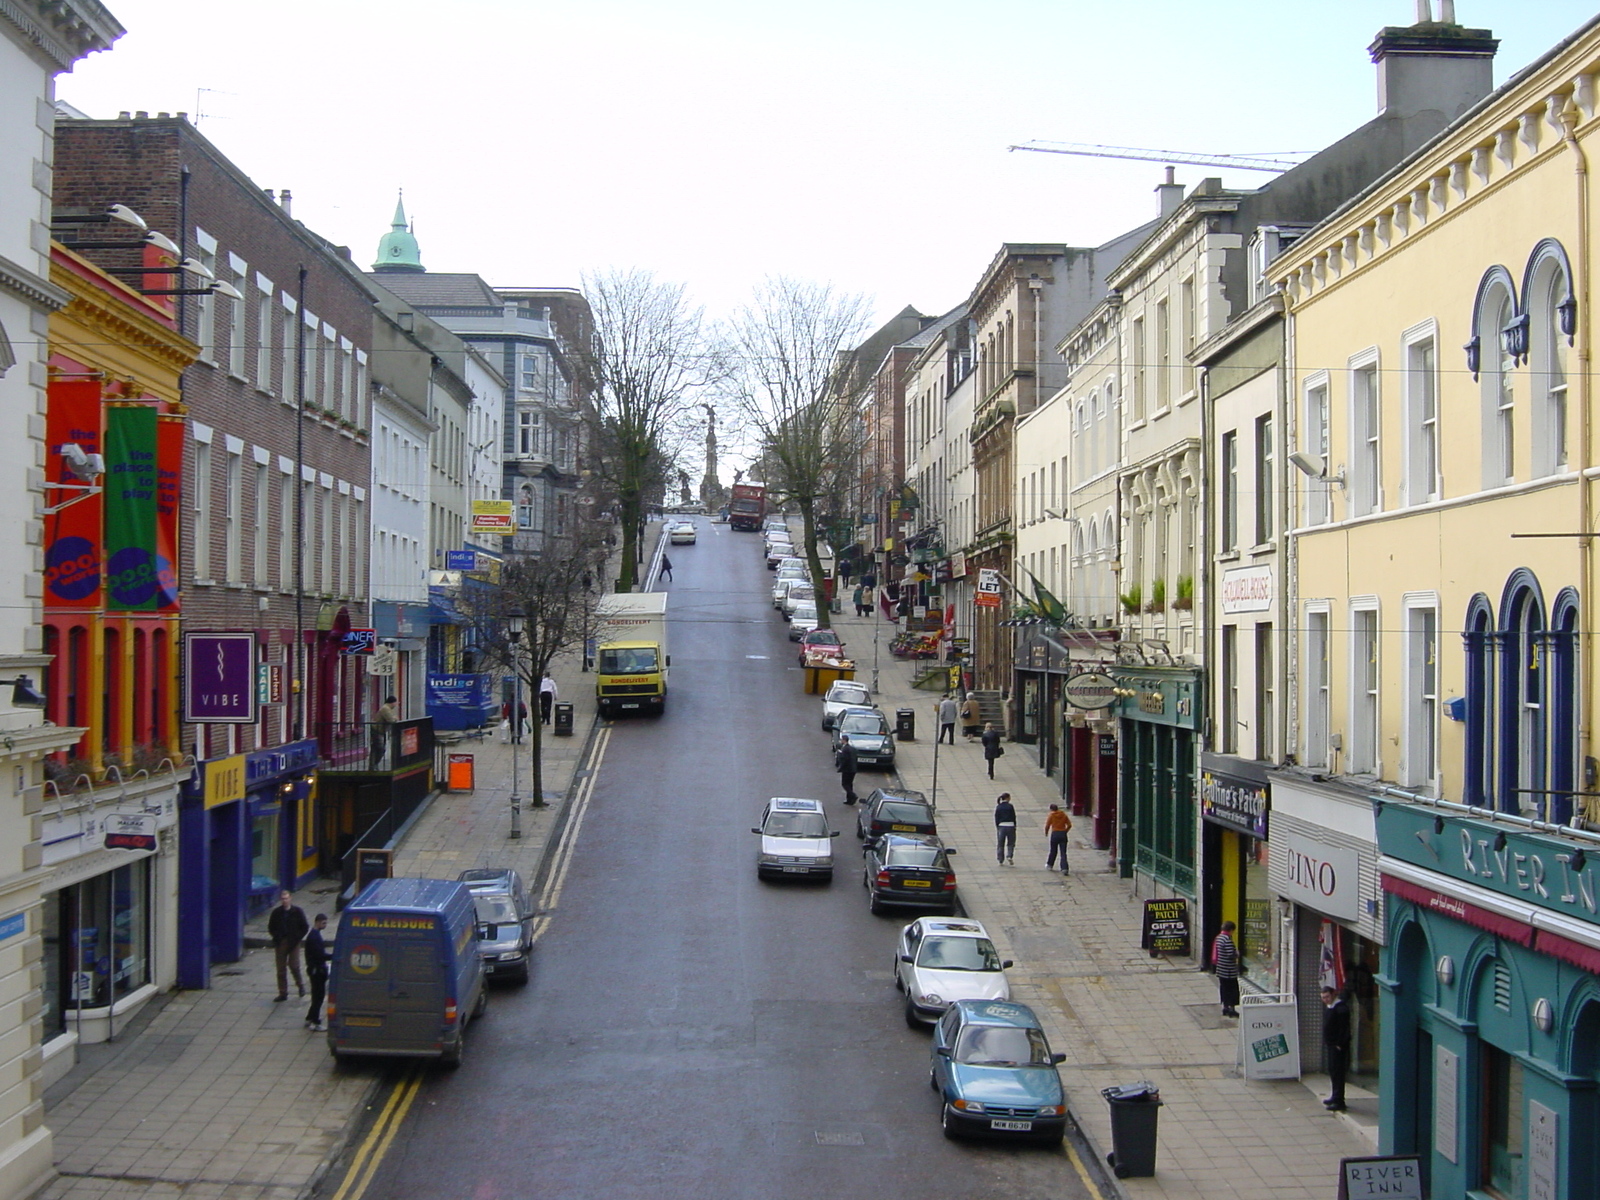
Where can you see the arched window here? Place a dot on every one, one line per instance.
(1562, 682)
(1552, 313)
(1522, 751)
(1492, 357)
(1479, 635)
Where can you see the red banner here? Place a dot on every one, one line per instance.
(73, 562)
(170, 430)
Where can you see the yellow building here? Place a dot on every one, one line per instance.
(1443, 494)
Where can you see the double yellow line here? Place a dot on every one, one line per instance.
(369, 1155)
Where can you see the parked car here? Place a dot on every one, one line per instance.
(682, 534)
(777, 552)
(505, 921)
(867, 731)
(780, 588)
(802, 619)
(843, 694)
(895, 810)
(945, 959)
(908, 870)
(798, 594)
(793, 562)
(825, 640)
(993, 1068)
(795, 839)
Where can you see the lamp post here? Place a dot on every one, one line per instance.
(515, 621)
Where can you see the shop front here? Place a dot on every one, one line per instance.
(1160, 711)
(1491, 1001)
(248, 828)
(1235, 799)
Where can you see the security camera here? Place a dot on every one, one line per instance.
(85, 466)
(1309, 464)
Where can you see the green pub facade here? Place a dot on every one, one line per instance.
(1159, 709)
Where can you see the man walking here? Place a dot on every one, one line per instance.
(547, 699)
(316, 971)
(1056, 827)
(845, 760)
(992, 749)
(1225, 961)
(1335, 1046)
(1005, 829)
(287, 927)
(948, 711)
(666, 568)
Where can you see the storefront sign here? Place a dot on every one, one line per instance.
(11, 926)
(224, 780)
(1323, 878)
(493, 516)
(1235, 803)
(460, 560)
(219, 678)
(129, 831)
(1089, 689)
(359, 641)
(958, 566)
(1544, 1152)
(1247, 590)
(988, 594)
(1161, 697)
(1269, 1036)
(1390, 1176)
(1166, 927)
(262, 765)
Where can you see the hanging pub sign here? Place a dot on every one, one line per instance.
(1090, 689)
(129, 831)
(219, 675)
(1238, 804)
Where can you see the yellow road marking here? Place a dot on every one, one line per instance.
(1081, 1169)
(569, 836)
(364, 1164)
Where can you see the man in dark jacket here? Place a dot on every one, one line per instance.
(1335, 1046)
(1005, 829)
(287, 927)
(992, 749)
(1225, 962)
(845, 760)
(316, 970)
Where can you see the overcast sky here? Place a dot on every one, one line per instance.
(857, 142)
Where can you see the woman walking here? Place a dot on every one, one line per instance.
(992, 749)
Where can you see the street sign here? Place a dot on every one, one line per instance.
(360, 641)
(382, 662)
(444, 579)
(461, 560)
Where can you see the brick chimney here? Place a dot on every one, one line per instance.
(1437, 65)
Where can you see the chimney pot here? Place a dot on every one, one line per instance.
(141, 115)
(285, 199)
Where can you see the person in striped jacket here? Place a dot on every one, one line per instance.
(1225, 961)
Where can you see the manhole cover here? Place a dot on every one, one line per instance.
(761, 657)
(840, 1139)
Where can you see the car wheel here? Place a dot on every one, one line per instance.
(482, 1006)
(933, 1081)
(899, 984)
(911, 1015)
(947, 1122)
(875, 906)
(452, 1055)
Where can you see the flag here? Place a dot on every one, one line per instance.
(886, 604)
(949, 630)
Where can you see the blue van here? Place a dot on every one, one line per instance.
(406, 976)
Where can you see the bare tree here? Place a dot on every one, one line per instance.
(555, 595)
(648, 356)
(790, 348)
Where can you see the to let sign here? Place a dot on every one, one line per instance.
(219, 671)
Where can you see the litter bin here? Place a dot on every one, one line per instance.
(563, 719)
(1134, 1109)
(905, 724)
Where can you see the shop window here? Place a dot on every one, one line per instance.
(264, 852)
(1523, 753)
(97, 942)
(1502, 1109)
(1480, 638)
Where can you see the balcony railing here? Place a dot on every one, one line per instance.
(376, 746)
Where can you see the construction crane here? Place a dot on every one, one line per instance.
(1239, 162)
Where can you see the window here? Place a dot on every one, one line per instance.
(286, 530)
(264, 342)
(1228, 534)
(205, 314)
(1422, 421)
(1317, 697)
(1366, 430)
(1493, 315)
(1363, 749)
(1266, 480)
(1550, 303)
(1136, 353)
(528, 432)
(1228, 692)
(1163, 356)
(201, 498)
(238, 274)
(263, 502)
(1314, 437)
(329, 536)
(1477, 777)
(1421, 757)
(234, 533)
(347, 379)
(287, 351)
(1502, 1169)
(1266, 694)
(1186, 297)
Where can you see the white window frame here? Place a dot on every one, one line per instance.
(1316, 439)
(1364, 483)
(1497, 387)
(1163, 346)
(233, 512)
(287, 387)
(1419, 684)
(1317, 734)
(1422, 445)
(265, 315)
(238, 344)
(200, 502)
(205, 253)
(260, 541)
(286, 494)
(1364, 740)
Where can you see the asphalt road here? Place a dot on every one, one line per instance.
(690, 1031)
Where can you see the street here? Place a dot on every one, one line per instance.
(690, 1031)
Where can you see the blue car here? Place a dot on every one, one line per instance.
(995, 1073)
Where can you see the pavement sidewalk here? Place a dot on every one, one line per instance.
(1119, 1015)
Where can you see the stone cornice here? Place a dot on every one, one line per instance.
(93, 308)
(31, 288)
(63, 31)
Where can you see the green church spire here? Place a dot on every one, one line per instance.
(398, 250)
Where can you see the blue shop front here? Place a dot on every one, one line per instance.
(1490, 990)
(247, 828)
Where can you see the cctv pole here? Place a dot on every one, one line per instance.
(516, 721)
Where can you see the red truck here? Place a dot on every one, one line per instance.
(747, 506)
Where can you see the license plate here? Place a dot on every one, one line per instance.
(903, 828)
(795, 870)
(627, 706)
(916, 883)
(365, 1022)
(1012, 1126)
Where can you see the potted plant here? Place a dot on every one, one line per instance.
(1158, 597)
(1132, 599)
(1185, 600)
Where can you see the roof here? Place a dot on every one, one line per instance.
(415, 895)
(961, 927)
(998, 1012)
(431, 289)
(795, 804)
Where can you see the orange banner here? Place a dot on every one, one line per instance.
(73, 563)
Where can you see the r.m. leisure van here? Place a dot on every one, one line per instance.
(406, 976)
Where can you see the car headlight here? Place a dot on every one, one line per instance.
(1053, 1110)
(824, 860)
(930, 999)
(511, 956)
(967, 1105)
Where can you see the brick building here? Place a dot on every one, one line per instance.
(274, 530)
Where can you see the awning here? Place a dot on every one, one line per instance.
(1509, 928)
(442, 610)
(1568, 951)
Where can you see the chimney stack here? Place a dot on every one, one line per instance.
(1433, 65)
(285, 200)
(1170, 193)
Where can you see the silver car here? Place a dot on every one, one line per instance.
(802, 620)
(505, 921)
(844, 694)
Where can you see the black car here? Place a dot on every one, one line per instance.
(895, 810)
(867, 731)
(505, 921)
(908, 871)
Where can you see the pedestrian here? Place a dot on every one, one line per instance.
(863, 601)
(382, 726)
(992, 749)
(1005, 830)
(666, 568)
(948, 710)
(511, 727)
(845, 760)
(971, 716)
(1056, 827)
(287, 927)
(1225, 961)
(547, 699)
(316, 970)
(1335, 1046)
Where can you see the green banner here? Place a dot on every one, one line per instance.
(130, 507)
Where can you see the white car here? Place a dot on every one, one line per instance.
(795, 839)
(780, 589)
(682, 534)
(802, 619)
(842, 695)
(797, 595)
(944, 959)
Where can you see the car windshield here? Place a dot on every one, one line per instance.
(905, 813)
(805, 611)
(801, 591)
(796, 825)
(1002, 1046)
(863, 723)
(847, 695)
(495, 910)
(638, 661)
(958, 954)
(915, 856)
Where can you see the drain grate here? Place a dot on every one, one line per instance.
(232, 971)
(840, 1139)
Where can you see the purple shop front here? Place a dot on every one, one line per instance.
(219, 671)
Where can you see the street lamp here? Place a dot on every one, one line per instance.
(516, 620)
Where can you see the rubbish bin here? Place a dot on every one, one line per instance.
(1134, 1109)
(563, 719)
(905, 724)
